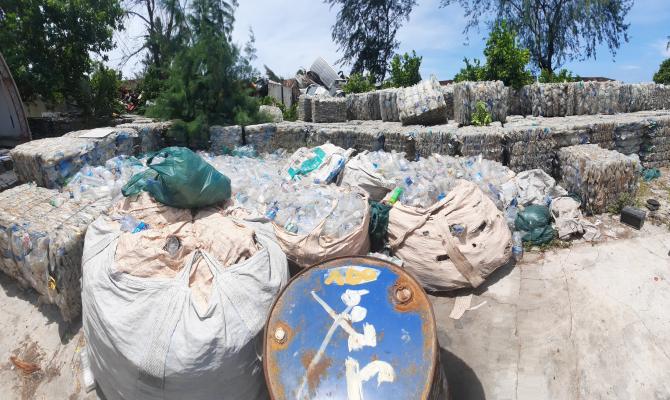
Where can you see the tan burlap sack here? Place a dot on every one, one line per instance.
(455, 243)
(315, 247)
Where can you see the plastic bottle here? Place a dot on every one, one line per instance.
(395, 195)
(517, 246)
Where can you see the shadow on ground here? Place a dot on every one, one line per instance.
(66, 330)
(462, 380)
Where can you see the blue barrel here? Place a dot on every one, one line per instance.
(354, 328)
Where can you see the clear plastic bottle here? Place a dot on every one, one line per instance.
(517, 245)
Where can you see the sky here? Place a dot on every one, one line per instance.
(290, 34)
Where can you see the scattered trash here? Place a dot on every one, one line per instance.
(461, 305)
(26, 367)
(653, 204)
(650, 174)
(517, 245)
(568, 220)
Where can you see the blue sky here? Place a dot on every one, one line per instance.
(290, 34)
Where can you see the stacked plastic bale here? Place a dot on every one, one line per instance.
(489, 141)
(388, 105)
(493, 94)
(363, 106)
(552, 99)
(530, 147)
(448, 94)
(422, 104)
(41, 242)
(596, 97)
(635, 97)
(329, 109)
(361, 137)
(223, 139)
(439, 139)
(655, 148)
(519, 101)
(150, 135)
(599, 176)
(400, 139)
(305, 108)
(266, 138)
(602, 133)
(50, 162)
(628, 136)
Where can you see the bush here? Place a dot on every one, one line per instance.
(289, 114)
(359, 83)
(563, 75)
(405, 70)
(98, 95)
(505, 60)
(481, 116)
(663, 74)
(471, 72)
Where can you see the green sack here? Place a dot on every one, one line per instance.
(182, 179)
(650, 174)
(535, 220)
(379, 222)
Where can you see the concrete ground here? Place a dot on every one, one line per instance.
(585, 322)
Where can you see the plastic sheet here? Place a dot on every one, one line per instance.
(467, 94)
(597, 175)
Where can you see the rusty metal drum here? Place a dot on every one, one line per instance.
(355, 328)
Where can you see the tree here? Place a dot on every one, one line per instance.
(663, 73)
(505, 60)
(405, 70)
(47, 44)
(358, 83)
(206, 80)
(555, 31)
(365, 32)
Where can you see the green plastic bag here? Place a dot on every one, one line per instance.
(182, 179)
(650, 174)
(535, 220)
(379, 222)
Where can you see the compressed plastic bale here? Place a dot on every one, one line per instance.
(552, 99)
(597, 175)
(422, 104)
(363, 106)
(151, 135)
(467, 94)
(485, 140)
(41, 240)
(267, 138)
(388, 105)
(455, 243)
(273, 112)
(519, 101)
(596, 97)
(223, 139)
(440, 139)
(329, 109)
(305, 108)
(360, 137)
(152, 348)
(530, 148)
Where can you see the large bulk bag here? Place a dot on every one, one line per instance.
(360, 172)
(148, 339)
(315, 247)
(455, 243)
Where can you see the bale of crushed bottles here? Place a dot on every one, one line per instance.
(363, 106)
(422, 104)
(151, 134)
(41, 241)
(329, 109)
(599, 176)
(388, 105)
(50, 162)
(145, 292)
(440, 139)
(223, 139)
(655, 147)
(315, 223)
(454, 243)
(448, 94)
(272, 112)
(305, 108)
(530, 147)
(493, 94)
(485, 140)
(519, 101)
(552, 99)
(363, 136)
(266, 138)
(596, 97)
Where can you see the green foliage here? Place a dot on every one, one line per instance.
(289, 114)
(405, 70)
(663, 74)
(563, 75)
(358, 83)
(207, 80)
(471, 72)
(104, 99)
(624, 199)
(505, 60)
(365, 32)
(481, 116)
(555, 31)
(47, 44)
